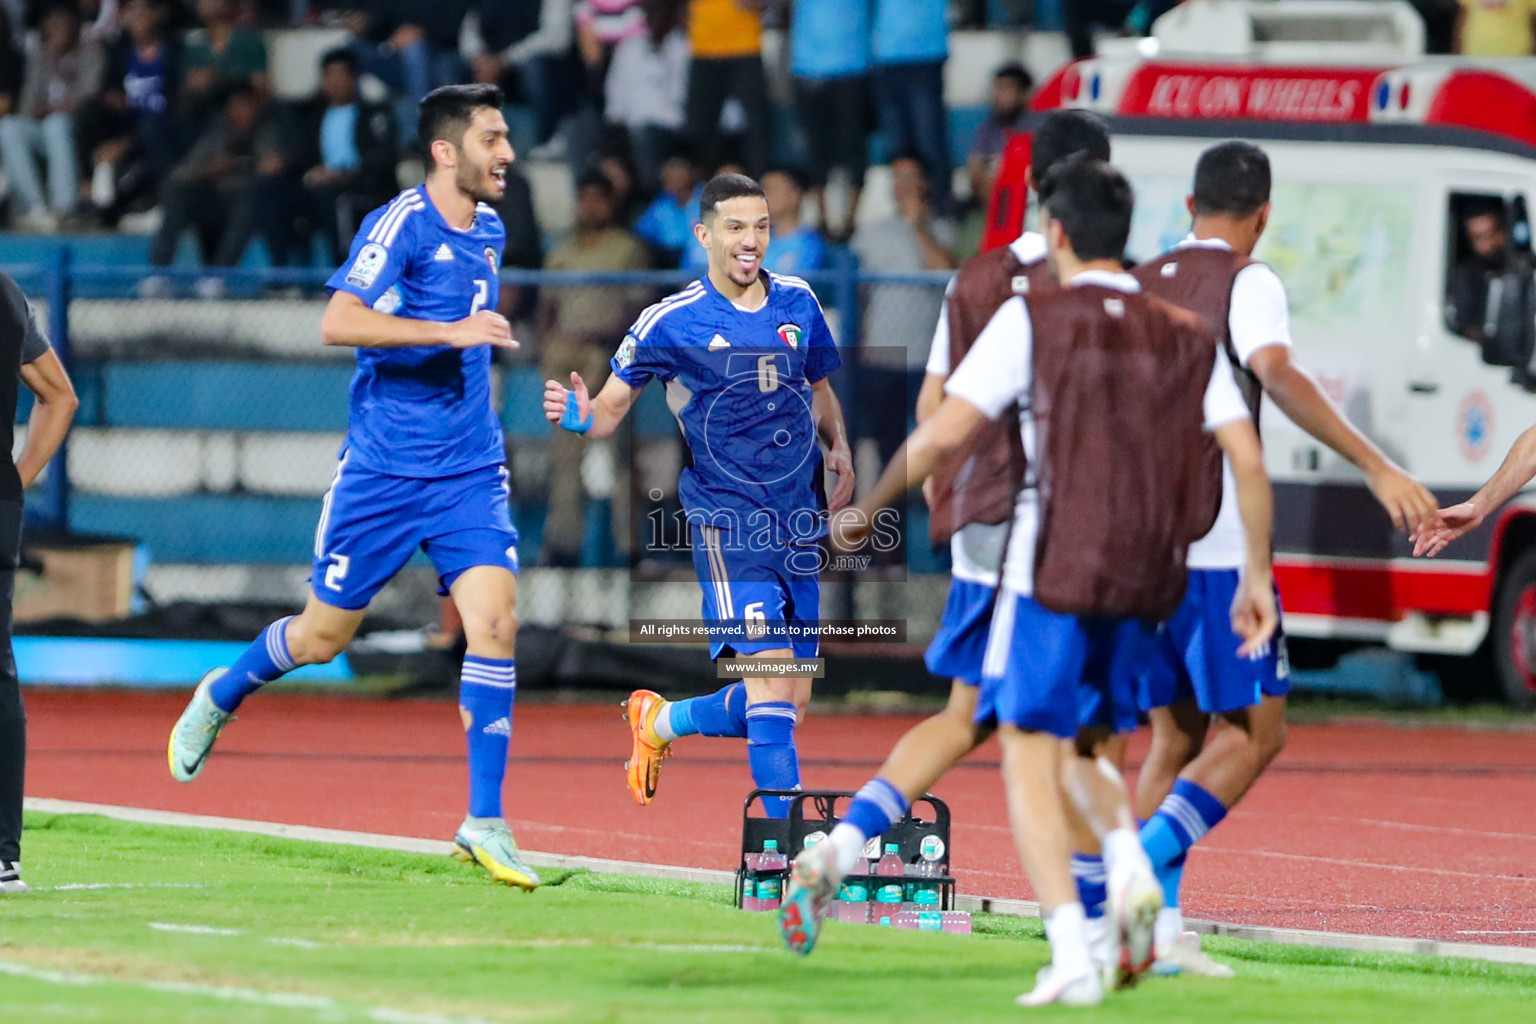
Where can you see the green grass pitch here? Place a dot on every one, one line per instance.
(156, 924)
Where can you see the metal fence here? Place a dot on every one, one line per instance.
(211, 418)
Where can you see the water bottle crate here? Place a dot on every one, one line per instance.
(921, 838)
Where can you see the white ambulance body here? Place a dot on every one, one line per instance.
(1374, 169)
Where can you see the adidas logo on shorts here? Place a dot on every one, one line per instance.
(500, 727)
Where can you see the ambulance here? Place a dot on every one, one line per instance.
(1376, 170)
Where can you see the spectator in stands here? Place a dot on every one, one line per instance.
(666, 226)
(830, 58)
(1007, 105)
(525, 244)
(899, 318)
(647, 89)
(1011, 86)
(412, 46)
(911, 43)
(216, 189)
(726, 40)
(339, 164)
(11, 64)
(130, 129)
(1496, 28)
(62, 71)
(526, 49)
(796, 247)
(218, 57)
(577, 326)
(600, 26)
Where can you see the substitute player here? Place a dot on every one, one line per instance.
(1183, 791)
(1114, 445)
(423, 464)
(745, 355)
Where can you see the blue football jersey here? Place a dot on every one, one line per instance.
(423, 411)
(740, 386)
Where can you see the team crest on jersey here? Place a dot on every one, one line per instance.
(365, 269)
(490, 257)
(791, 333)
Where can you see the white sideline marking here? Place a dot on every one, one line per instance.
(204, 929)
(974, 904)
(84, 886)
(1521, 931)
(192, 929)
(325, 1005)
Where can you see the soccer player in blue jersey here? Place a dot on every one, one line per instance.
(745, 355)
(423, 463)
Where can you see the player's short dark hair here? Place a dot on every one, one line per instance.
(724, 187)
(1232, 178)
(1016, 73)
(340, 55)
(445, 112)
(796, 176)
(1063, 133)
(1093, 202)
(593, 177)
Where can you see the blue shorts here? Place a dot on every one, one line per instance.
(372, 523)
(1194, 655)
(761, 600)
(1055, 673)
(959, 646)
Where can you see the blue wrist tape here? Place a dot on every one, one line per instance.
(572, 420)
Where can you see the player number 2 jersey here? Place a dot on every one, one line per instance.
(739, 383)
(423, 411)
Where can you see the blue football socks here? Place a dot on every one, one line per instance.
(1187, 814)
(771, 752)
(486, 689)
(1092, 883)
(722, 713)
(265, 660)
(876, 807)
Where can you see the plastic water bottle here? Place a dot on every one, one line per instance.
(891, 863)
(764, 885)
(956, 922)
(770, 883)
(922, 895)
(890, 887)
(852, 903)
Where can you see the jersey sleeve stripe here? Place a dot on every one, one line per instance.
(652, 311)
(388, 227)
(796, 282)
(653, 315)
(382, 224)
(394, 229)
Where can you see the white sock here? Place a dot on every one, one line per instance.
(1169, 927)
(848, 840)
(663, 723)
(1067, 932)
(1123, 852)
(1096, 934)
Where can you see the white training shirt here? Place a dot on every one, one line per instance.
(976, 550)
(1259, 316)
(997, 372)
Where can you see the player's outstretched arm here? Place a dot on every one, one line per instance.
(351, 323)
(929, 444)
(572, 409)
(1517, 469)
(1254, 615)
(1296, 392)
(833, 431)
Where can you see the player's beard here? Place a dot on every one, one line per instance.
(739, 275)
(477, 183)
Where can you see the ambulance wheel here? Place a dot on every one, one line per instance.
(1514, 632)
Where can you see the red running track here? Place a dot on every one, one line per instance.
(1358, 827)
